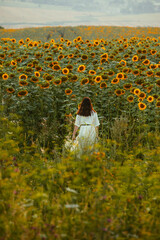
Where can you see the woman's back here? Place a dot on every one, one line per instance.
(93, 119)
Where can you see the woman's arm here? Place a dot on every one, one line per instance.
(74, 132)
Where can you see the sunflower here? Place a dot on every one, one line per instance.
(130, 98)
(142, 95)
(136, 72)
(27, 39)
(150, 99)
(111, 73)
(139, 81)
(146, 62)
(137, 91)
(69, 66)
(118, 92)
(23, 77)
(139, 51)
(13, 40)
(74, 78)
(37, 74)
(104, 55)
(84, 81)
(127, 86)
(38, 55)
(73, 96)
(103, 85)
(56, 67)
(120, 76)
(92, 72)
(93, 54)
(30, 44)
(38, 68)
(84, 57)
(103, 60)
(71, 55)
(105, 77)
(79, 39)
(158, 82)
(5, 76)
(10, 90)
(21, 41)
(122, 63)
(157, 74)
(49, 59)
(48, 77)
(115, 81)
(135, 58)
(34, 79)
(23, 83)
(12, 75)
(158, 104)
(126, 56)
(81, 68)
(69, 43)
(142, 105)
(13, 63)
(153, 66)
(111, 57)
(65, 71)
(61, 56)
(149, 73)
(2, 55)
(98, 79)
(28, 70)
(96, 43)
(64, 79)
(142, 58)
(149, 88)
(153, 52)
(22, 93)
(44, 85)
(125, 70)
(57, 82)
(68, 91)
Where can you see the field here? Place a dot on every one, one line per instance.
(48, 191)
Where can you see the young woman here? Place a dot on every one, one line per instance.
(87, 120)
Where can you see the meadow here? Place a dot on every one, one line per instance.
(47, 191)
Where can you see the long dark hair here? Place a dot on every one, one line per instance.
(86, 107)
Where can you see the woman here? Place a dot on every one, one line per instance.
(88, 122)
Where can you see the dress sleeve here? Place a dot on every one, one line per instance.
(77, 122)
(96, 120)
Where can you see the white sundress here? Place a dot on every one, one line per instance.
(87, 134)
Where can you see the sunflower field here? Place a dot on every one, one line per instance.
(46, 191)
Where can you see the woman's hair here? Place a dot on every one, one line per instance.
(86, 107)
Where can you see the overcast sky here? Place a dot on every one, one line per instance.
(31, 13)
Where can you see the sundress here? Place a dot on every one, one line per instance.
(87, 133)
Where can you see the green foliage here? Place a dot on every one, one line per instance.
(94, 196)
